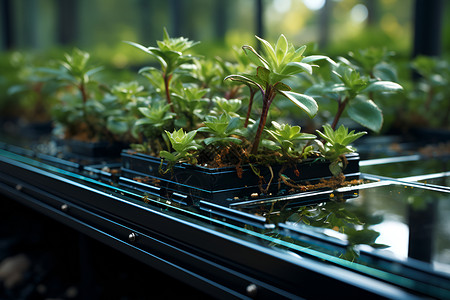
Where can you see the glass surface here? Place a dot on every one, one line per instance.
(404, 166)
(399, 218)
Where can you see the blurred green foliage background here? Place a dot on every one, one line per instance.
(99, 26)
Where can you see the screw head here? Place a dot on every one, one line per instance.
(132, 237)
(252, 289)
(65, 207)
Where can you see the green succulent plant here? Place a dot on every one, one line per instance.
(156, 118)
(337, 144)
(287, 138)
(190, 103)
(353, 90)
(228, 106)
(222, 128)
(171, 55)
(183, 144)
(280, 62)
(84, 102)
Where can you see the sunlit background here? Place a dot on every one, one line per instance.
(100, 26)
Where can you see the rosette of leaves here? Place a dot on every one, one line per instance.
(228, 106)
(223, 129)
(156, 118)
(171, 55)
(336, 146)
(279, 62)
(289, 140)
(183, 144)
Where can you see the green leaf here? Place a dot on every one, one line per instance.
(263, 74)
(255, 57)
(229, 139)
(335, 168)
(305, 102)
(269, 51)
(296, 67)
(116, 126)
(246, 79)
(383, 86)
(385, 71)
(299, 51)
(143, 48)
(94, 70)
(366, 113)
(279, 86)
(167, 155)
(313, 58)
(281, 48)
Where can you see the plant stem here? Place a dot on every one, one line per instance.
(341, 108)
(167, 79)
(430, 95)
(267, 101)
(250, 103)
(82, 89)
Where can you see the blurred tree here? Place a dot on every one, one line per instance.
(428, 27)
(67, 14)
(325, 18)
(7, 24)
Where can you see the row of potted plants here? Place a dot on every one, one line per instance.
(208, 128)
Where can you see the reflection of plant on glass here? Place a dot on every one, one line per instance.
(334, 215)
(340, 217)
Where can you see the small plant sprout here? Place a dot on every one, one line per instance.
(336, 146)
(170, 53)
(183, 144)
(156, 119)
(190, 103)
(223, 129)
(228, 106)
(77, 71)
(280, 62)
(285, 137)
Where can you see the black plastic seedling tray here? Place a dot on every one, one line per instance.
(223, 185)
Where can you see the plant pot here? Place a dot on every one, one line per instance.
(223, 185)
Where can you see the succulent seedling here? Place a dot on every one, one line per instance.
(171, 55)
(280, 61)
